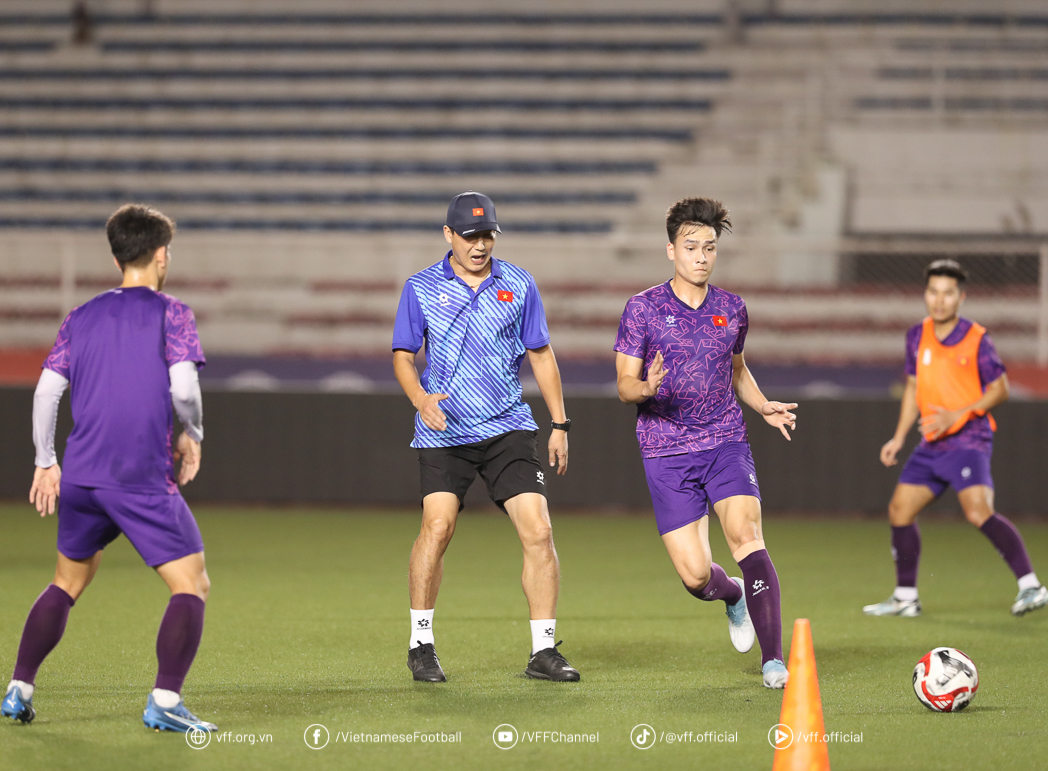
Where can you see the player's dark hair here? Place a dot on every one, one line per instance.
(950, 268)
(135, 232)
(696, 211)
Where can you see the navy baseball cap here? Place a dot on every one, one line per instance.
(471, 212)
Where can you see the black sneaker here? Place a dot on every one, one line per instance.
(549, 664)
(424, 664)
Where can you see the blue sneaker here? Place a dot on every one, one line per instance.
(775, 674)
(740, 625)
(177, 718)
(17, 707)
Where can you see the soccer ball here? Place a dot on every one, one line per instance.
(945, 680)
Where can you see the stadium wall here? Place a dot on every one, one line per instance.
(353, 449)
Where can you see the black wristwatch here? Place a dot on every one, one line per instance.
(565, 426)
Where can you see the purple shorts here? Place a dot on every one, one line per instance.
(936, 470)
(683, 486)
(160, 527)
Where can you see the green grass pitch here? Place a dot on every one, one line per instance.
(307, 623)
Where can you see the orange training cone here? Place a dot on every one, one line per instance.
(801, 746)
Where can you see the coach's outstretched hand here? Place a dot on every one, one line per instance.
(778, 414)
(187, 450)
(429, 408)
(44, 492)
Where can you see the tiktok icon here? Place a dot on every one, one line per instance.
(643, 736)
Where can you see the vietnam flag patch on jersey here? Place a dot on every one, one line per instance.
(720, 321)
(504, 296)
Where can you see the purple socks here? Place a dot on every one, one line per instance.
(178, 640)
(43, 629)
(762, 601)
(1009, 544)
(906, 550)
(719, 587)
(176, 644)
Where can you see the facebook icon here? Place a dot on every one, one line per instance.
(316, 737)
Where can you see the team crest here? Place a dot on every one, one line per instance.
(671, 321)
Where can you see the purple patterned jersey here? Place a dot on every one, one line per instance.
(976, 433)
(695, 408)
(115, 350)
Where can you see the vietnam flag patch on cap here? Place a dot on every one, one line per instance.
(478, 212)
(506, 297)
(720, 321)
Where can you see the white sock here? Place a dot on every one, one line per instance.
(421, 628)
(1029, 581)
(27, 689)
(165, 699)
(906, 593)
(543, 630)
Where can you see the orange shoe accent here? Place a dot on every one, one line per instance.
(802, 709)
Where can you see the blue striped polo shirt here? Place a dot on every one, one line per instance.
(475, 343)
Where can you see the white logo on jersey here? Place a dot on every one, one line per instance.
(541, 477)
(443, 298)
(671, 321)
(927, 357)
(966, 472)
(753, 479)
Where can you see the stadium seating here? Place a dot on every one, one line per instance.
(308, 157)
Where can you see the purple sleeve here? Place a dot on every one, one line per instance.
(409, 330)
(744, 327)
(990, 365)
(181, 341)
(58, 359)
(633, 329)
(913, 341)
(533, 330)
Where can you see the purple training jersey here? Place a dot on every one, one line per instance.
(115, 350)
(695, 408)
(976, 433)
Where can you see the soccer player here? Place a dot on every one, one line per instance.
(954, 378)
(478, 317)
(679, 357)
(126, 356)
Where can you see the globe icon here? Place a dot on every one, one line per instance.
(198, 737)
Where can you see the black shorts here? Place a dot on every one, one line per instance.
(508, 464)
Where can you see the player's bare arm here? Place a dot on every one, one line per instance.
(427, 404)
(633, 390)
(774, 413)
(547, 375)
(908, 413)
(935, 425)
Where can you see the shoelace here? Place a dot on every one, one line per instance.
(556, 655)
(428, 655)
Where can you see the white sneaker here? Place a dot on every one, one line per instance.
(740, 625)
(1030, 599)
(775, 674)
(895, 607)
